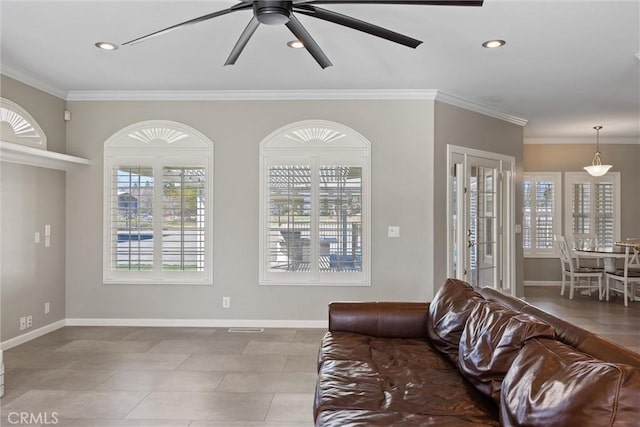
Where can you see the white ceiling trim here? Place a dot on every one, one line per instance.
(250, 95)
(217, 95)
(467, 104)
(35, 83)
(590, 141)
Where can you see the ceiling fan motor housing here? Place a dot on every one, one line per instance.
(272, 12)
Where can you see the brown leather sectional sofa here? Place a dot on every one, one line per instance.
(469, 359)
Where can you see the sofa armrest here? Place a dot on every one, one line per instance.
(380, 319)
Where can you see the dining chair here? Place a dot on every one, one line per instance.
(629, 276)
(575, 273)
(585, 241)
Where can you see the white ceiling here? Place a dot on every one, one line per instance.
(567, 65)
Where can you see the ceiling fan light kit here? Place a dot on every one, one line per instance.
(283, 12)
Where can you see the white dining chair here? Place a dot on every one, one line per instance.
(585, 241)
(629, 276)
(575, 273)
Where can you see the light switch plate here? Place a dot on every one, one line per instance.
(394, 231)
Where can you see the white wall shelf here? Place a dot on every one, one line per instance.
(16, 153)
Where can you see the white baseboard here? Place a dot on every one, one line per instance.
(554, 283)
(31, 335)
(202, 323)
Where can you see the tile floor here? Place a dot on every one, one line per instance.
(204, 377)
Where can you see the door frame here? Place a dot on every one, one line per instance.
(507, 241)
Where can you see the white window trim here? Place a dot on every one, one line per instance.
(188, 148)
(575, 177)
(332, 142)
(556, 178)
(25, 129)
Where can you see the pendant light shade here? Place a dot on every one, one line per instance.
(597, 168)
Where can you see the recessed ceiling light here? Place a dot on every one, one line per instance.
(106, 46)
(295, 44)
(490, 44)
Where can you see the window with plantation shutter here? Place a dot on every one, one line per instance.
(541, 212)
(315, 206)
(158, 194)
(593, 206)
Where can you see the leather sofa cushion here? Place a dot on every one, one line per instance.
(410, 353)
(492, 338)
(394, 387)
(366, 418)
(552, 384)
(448, 313)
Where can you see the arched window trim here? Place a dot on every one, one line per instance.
(159, 148)
(25, 129)
(323, 144)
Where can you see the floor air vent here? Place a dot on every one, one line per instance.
(247, 330)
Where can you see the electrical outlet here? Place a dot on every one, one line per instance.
(226, 302)
(29, 321)
(47, 308)
(37, 237)
(23, 323)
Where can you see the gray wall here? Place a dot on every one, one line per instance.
(625, 159)
(30, 198)
(401, 136)
(457, 126)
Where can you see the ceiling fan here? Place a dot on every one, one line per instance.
(279, 12)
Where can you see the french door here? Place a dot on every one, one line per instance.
(480, 218)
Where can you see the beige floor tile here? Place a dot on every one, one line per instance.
(131, 361)
(288, 348)
(308, 364)
(109, 333)
(102, 346)
(310, 335)
(55, 379)
(291, 407)
(270, 382)
(159, 334)
(268, 334)
(199, 346)
(203, 406)
(9, 396)
(76, 404)
(37, 359)
(197, 423)
(67, 422)
(234, 363)
(162, 381)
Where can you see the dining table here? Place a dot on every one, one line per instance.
(609, 255)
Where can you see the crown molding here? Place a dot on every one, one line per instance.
(468, 104)
(264, 95)
(251, 95)
(33, 82)
(581, 140)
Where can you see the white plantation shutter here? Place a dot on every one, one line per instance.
(183, 215)
(131, 213)
(315, 200)
(594, 206)
(541, 212)
(158, 195)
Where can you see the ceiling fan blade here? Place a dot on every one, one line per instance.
(309, 43)
(414, 2)
(356, 24)
(239, 6)
(242, 41)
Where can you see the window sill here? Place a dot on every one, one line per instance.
(15, 153)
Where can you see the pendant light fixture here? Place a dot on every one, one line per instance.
(597, 168)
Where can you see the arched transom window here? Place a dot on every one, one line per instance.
(18, 127)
